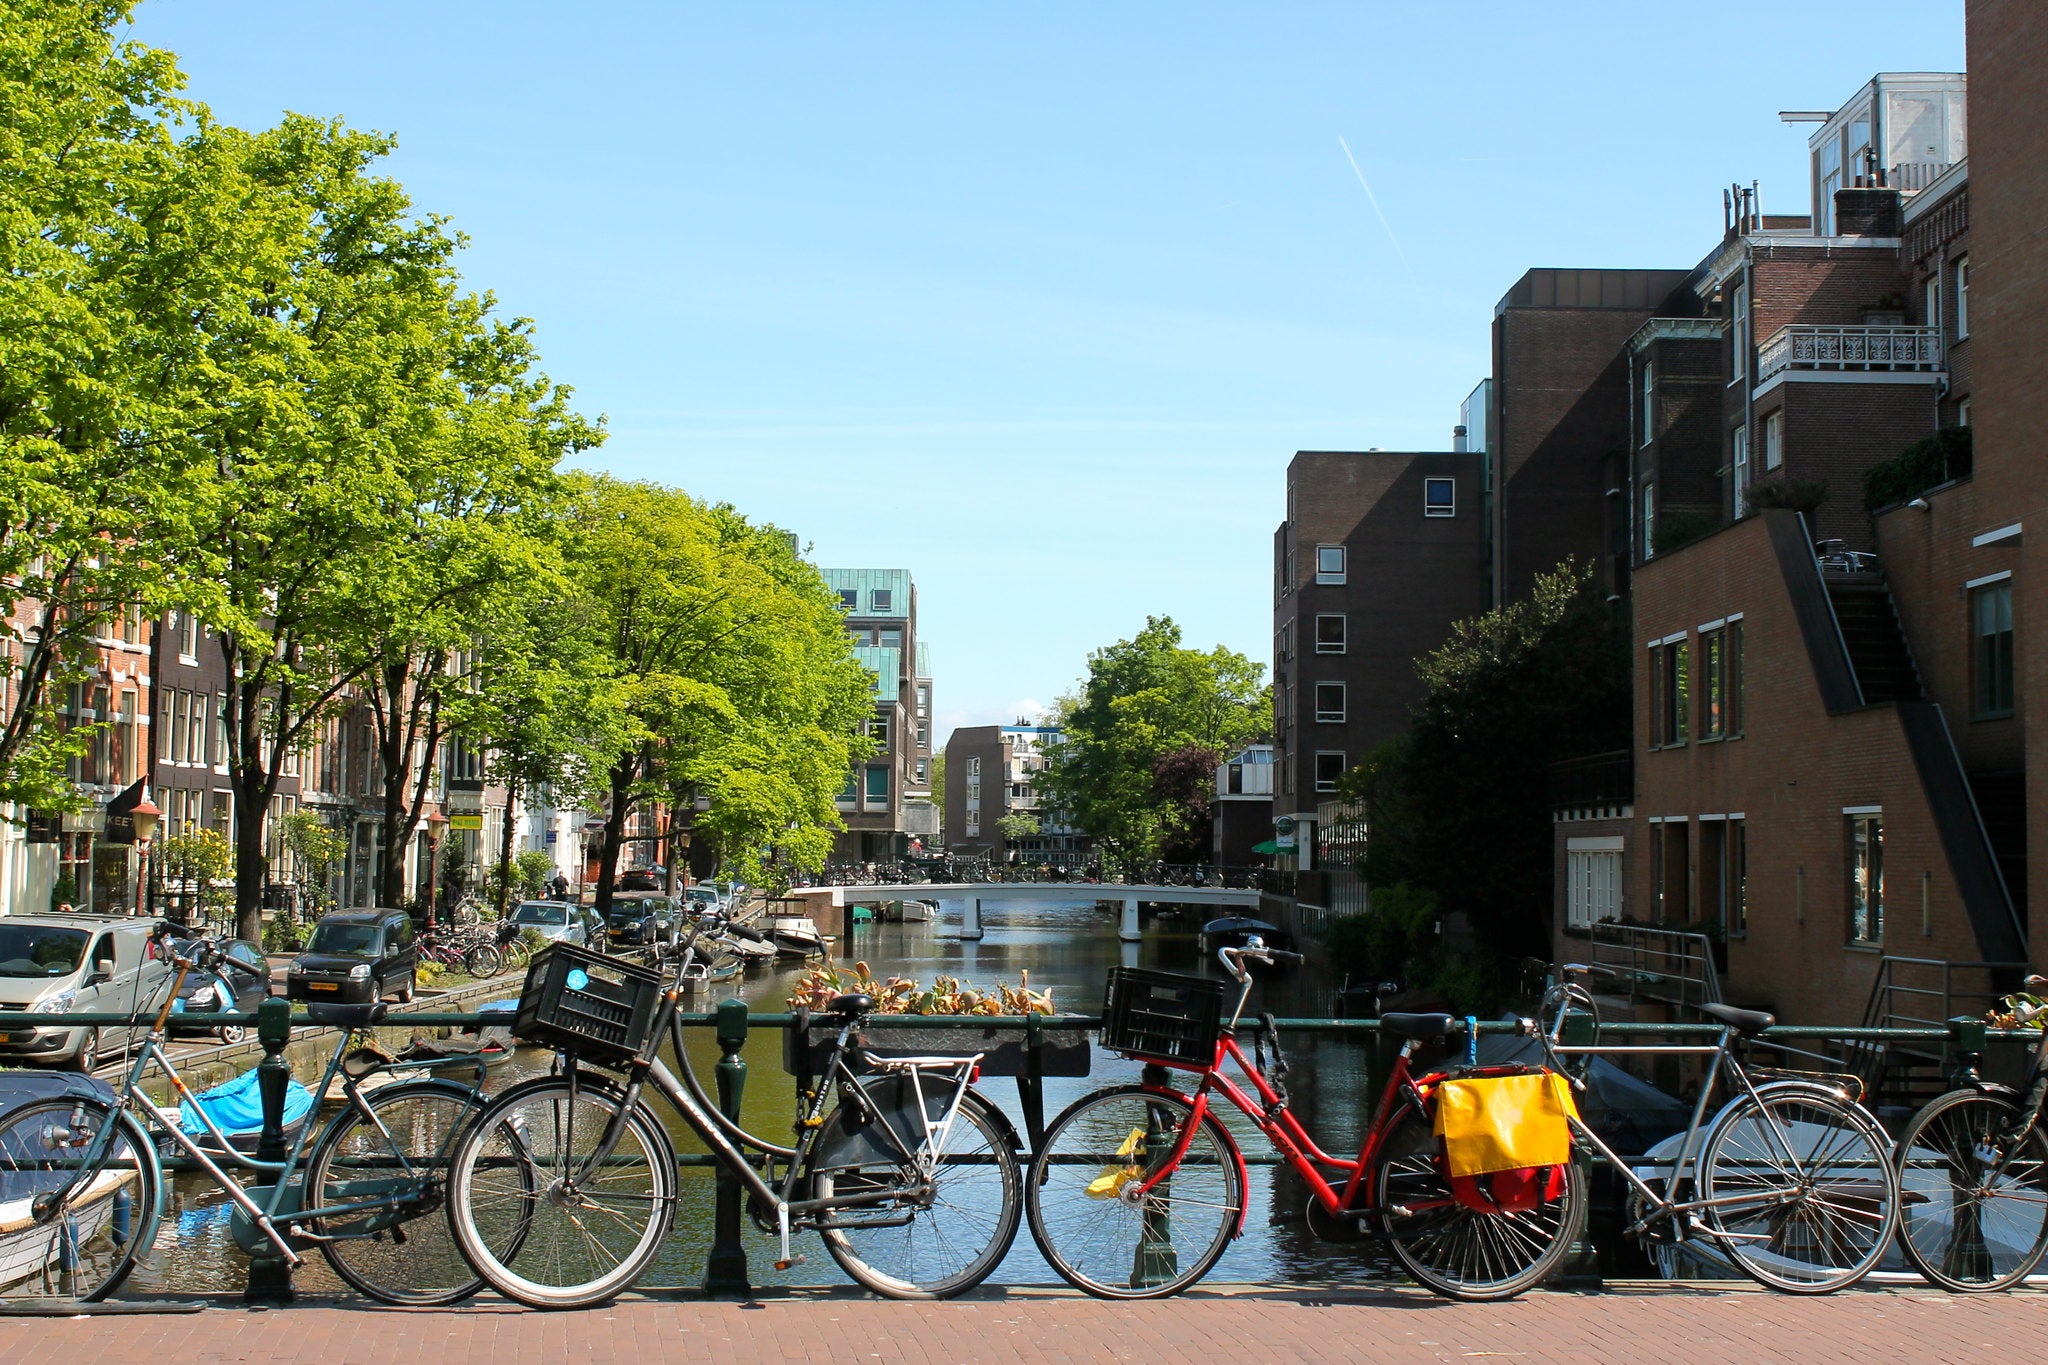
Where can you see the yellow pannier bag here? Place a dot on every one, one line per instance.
(1505, 1123)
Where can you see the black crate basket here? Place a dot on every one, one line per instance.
(1162, 1016)
(590, 1004)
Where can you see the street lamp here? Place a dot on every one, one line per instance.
(436, 824)
(147, 817)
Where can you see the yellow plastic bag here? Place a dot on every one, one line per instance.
(1113, 1178)
(1505, 1123)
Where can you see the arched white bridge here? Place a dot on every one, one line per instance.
(974, 895)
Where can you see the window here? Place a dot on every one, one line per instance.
(1330, 702)
(1739, 462)
(1866, 875)
(1731, 678)
(1962, 297)
(924, 734)
(1592, 881)
(884, 599)
(1330, 633)
(1830, 181)
(849, 599)
(1735, 878)
(1738, 330)
(1649, 404)
(878, 730)
(924, 698)
(889, 639)
(924, 770)
(1713, 719)
(878, 784)
(1963, 413)
(1649, 518)
(974, 766)
(1439, 497)
(188, 638)
(1991, 650)
(1774, 440)
(973, 830)
(1930, 307)
(1669, 687)
(1329, 563)
(1329, 767)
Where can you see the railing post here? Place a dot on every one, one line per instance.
(1582, 1264)
(725, 1271)
(1966, 1037)
(1031, 1082)
(270, 1275)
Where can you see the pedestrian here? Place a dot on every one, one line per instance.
(561, 886)
(64, 908)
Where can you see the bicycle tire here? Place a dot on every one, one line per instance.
(1960, 1231)
(415, 1262)
(1452, 1249)
(1818, 1170)
(898, 1262)
(534, 1132)
(1112, 1248)
(517, 955)
(88, 1253)
(483, 961)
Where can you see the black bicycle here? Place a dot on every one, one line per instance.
(564, 1190)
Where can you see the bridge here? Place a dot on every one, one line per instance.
(974, 895)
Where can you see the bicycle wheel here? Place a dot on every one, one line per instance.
(1118, 1245)
(516, 954)
(403, 1254)
(515, 1182)
(85, 1253)
(1965, 1222)
(483, 961)
(1456, 1250)
(936, 1245)
(1799, 1188)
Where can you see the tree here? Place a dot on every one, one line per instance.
(1017, 825)
(1459, 807)
(1148, 706)
(94, 323)
(725, 673)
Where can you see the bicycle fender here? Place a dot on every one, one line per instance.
(1999, 1090)
(852, 1139)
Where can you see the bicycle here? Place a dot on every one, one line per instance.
(912, 1178)
(462, 949)
(87, 1174)
(1138, 1190)
(1793, 1182)
(1973, 1165)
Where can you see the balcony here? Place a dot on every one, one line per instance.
(1842, 349)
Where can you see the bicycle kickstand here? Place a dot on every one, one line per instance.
(782, 1226)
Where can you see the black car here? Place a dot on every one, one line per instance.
(638, 879)
(640, 919)
(241, 984)
(356, 956)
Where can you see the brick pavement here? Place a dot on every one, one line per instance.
(1662, 1323)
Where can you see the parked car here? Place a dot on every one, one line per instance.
(76, 964)
(242, 984)
(356, 956)
(640, 879)
(561, 922)
(640, 919)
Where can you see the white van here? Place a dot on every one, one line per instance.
(76, 964)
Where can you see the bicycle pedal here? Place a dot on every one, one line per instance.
(794, 1260)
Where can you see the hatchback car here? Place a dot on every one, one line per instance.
(640, 919)
(562, 922)
(355, 957)
(76, 964)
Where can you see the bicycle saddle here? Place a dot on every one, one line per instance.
(852, 1006)
(347, 1016)
(1744, 1022)
(1419, 1028)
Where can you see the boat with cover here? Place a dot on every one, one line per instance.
(796, 936)
(34, 1133)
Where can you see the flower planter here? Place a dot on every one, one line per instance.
(1004, 1052)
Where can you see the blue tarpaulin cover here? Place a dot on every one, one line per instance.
(236, 1106)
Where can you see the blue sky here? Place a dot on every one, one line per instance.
(1038, 300)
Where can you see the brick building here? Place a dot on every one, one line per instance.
(886, 802)
(991, 772)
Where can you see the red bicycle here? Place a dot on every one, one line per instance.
(1138, 1190)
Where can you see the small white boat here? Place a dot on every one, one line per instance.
(796, 936)
(27, 1246)
(920, 912)
(750, 945)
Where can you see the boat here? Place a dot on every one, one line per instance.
(918, 911)
(702, 976)
(796, 936)
(745, 942)
(1232, 931)
(26, 1245)
(236, 1108)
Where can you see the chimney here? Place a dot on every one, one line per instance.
(1868, 212)
(1458, 439)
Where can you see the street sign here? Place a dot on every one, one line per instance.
(465, 822)
(462, 802)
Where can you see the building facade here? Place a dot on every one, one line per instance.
(886, 804)
(992, 773)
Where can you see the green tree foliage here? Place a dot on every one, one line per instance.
(316, 849)
(724, 673)
(1144, 699)
(1017, 825)
(200, 862)
(1458, 809)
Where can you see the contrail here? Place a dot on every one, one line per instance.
(1372, 199)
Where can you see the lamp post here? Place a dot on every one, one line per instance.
(436, 823)
(146, 816)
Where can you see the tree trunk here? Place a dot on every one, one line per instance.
(614, 841)
(397, 838)
(505, 849)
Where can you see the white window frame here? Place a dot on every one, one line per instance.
(1649, 404)
(1328, 717)
(1962, 297)
(1930, 300)
(1593, 880)
(1337, 576)
(1429, 485)
(1738, 462)
(1774, 440)
(883, 600)
(1320, 755)
(1649, 518)
(1738, 331)
(1343, 640)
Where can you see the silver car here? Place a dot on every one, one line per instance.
(561, 922)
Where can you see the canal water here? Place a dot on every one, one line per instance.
(1066, 948)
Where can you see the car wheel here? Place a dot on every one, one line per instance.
(412, 984)
(88, 1053)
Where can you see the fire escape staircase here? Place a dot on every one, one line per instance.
(1876, 644)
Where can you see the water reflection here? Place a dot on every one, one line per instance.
(1067, 948)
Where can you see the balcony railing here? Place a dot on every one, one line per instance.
(1850, 348)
